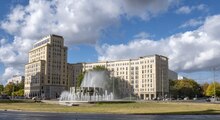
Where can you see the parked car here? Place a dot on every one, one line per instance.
(186, 98)
(208, 100)
(36, 99)
(4, 97)
(195, 98)
(155, 98)
(179, 99)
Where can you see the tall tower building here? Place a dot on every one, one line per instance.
(46, 71)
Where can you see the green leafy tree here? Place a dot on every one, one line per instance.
(19, 93)
(14, 87)
(20, 85)
(99, 68)
(1, 88)
(80, 79)
(204, 88)
(185, 88)
(173, 87)
(211, 91)
(8, 89)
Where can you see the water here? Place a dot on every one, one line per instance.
(96, 86)
(10, 115)
(67, 96)
(99, 79)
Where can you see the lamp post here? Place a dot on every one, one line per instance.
(214, 82)
(13, 91)
(162, 84)
(113, 87)
(113, 83)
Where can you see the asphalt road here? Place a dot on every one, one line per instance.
(14, 115)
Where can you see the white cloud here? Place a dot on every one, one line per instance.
(189, 51)
(201, 7)
(184, 10)
(212, 27)
(8, 73)
(192, 23)
(79, 21)
(143, 35)
(145, 8)
(2, 41)
(189, 9)
(14, 56)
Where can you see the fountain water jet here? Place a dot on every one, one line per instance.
(96, 86)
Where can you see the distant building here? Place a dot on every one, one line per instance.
(16, 79)
(73, 72)
(46, 71)
(147, 75)
(172, 75)
(181, 77)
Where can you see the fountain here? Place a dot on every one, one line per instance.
(97, 86)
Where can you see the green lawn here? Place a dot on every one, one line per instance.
(122, 108)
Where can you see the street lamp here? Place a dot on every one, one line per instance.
(214, 82)
(13, 91)
(113, 84)
(113, 87)
(162, 81)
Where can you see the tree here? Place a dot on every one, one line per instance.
(1, 88)
(8, 89)
(14, 87)
(211, 91)
(173, 89)
(204, 88)
(99, 68)
(185, 88)
(19, 93)
(20, 85)
(80, 79)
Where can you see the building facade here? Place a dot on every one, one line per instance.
(147, 75)
(172, 75)
(46, 71)
(16, 79)
(73, 72)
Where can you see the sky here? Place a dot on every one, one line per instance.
(186, 31)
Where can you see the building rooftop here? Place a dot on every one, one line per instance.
(122, 59)
(56, 35)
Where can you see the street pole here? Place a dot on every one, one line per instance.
(162, 84)
(13, 91)
(113, 84)
(113, 88)
(214, 83)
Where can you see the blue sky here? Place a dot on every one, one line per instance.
(185, 31)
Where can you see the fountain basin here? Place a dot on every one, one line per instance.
(77, 103)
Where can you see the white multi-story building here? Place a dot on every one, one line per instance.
(147, 75)
(16, 79)
(46, 71)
